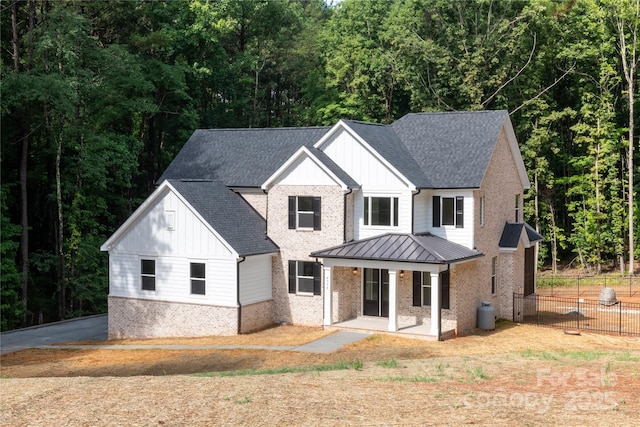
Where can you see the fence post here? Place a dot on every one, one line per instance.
(620, 319)
(578, 314)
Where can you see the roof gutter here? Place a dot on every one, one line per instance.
(238, 293)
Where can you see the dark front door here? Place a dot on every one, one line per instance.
(376, 292)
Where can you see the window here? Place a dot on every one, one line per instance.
(381, 211)
(304, 213)
(304, 277)
(494, 284)
(422, 289)
(448, 211)
(517, 208)
(198, 278)
(482, 211)
(148, 274)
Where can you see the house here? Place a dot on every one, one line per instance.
(407, 226)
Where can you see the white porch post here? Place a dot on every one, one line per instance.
(393, 299)
(435, 304)
(328, 296)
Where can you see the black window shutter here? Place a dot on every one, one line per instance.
(316, 213)
(436, 211)
(459, 212)
(445, 289)
(292, 277)
(292, 212)
(417, 289)
(317, 283)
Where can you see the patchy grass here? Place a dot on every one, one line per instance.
(355, 365)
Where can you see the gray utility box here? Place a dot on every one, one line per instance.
(486, 316)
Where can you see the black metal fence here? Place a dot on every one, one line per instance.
(577, 313)
(587, 286)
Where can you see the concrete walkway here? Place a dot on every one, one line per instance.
(94, 328)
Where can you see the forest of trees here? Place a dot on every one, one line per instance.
(99, 96)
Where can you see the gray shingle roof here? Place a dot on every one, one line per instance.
(230, 215)
(453, 148)
(432, 150)
(421, 248)
(239, 157)
(512, 232)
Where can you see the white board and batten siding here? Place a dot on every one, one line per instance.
(173, 247)
(423, 216)
(255, 279)
(377, 179)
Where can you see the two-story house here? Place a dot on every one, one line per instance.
(408, 226)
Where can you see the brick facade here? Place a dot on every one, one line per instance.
(298, 244)
(140, 318)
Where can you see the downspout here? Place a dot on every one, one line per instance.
(238, 293)
(344, 221)
(413, 209)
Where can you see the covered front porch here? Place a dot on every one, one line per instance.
(390, 283)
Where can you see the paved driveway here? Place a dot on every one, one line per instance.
(85, 328)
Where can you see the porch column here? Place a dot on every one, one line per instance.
(393, 301)
(328, 299)
(435, 304)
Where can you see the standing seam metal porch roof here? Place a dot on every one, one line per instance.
(419, 248)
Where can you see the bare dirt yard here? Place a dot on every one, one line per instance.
(515, 375)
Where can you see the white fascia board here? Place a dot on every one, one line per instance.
(515, 152)
(162, 189)
(159, 192)
(342, 125)
(303, 151)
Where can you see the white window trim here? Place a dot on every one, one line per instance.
(422, 288)
(198, 261)
(482, 208)
(154, 275)
(394, 216)
(299, 276)
(298, 212)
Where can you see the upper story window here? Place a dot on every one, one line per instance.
(517, 208)
(381, 211)
(304, 213)
(148, 274)
(448, 211)
(198, 278)
(481, 211)
(304, 277)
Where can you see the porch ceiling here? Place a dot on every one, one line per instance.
(416, 248)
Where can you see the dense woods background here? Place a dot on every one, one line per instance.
(98, 97)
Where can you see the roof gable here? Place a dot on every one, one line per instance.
(314, 158)
(233, 221)
(514, 233)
